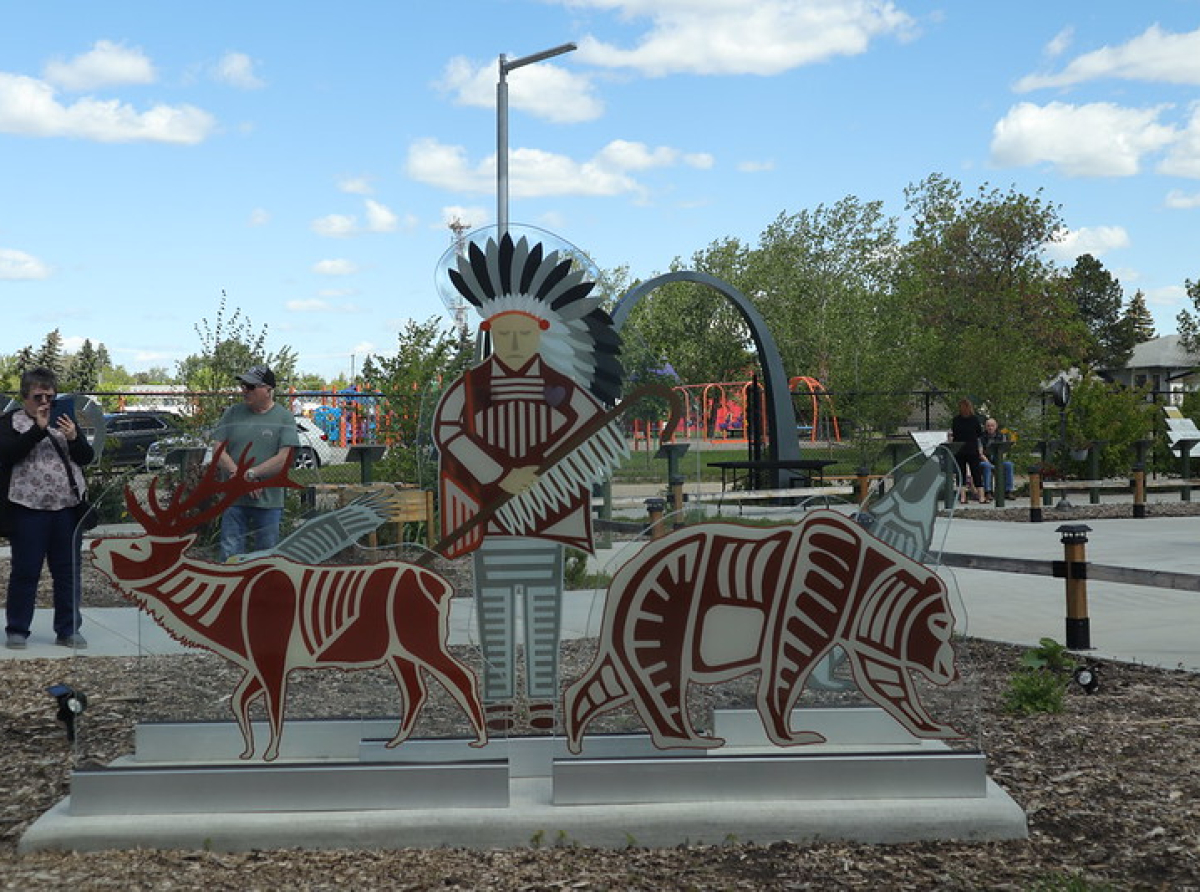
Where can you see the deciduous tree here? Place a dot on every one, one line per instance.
(994, 321)
(428, 358)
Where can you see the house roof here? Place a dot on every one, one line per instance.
(1162, 353)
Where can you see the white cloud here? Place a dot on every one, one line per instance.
(1059, 43)
(1169, 297)
(1183, 160)
(755, 166)
(309, 305)
(355, 185)
(106, 64)
(622, 154)
(1097, 139)
(763, 37)
(534, 173)
(379, 218)
(29, 107)
(699, 160)
(543, 89)
(1094, 240)
(473, 217)
(335, 226)
(16, 264)
(338, 267)
(1154, 55)
(1182, 201)
(237, 70)
(259, 217)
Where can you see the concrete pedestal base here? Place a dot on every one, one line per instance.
(338, 787)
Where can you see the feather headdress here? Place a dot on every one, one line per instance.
(579, 339)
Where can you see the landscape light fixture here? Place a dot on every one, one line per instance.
(70, 704)
(1088, 678)
(506, 65)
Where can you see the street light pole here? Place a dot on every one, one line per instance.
(505, 66)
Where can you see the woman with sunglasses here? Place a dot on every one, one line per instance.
(41, 483)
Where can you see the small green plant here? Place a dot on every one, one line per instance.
(576, 575)
(536, 840)
(1049, 654)
(1034, 691)
(1040, 685)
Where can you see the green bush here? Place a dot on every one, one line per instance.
(1034, 691)
(1040, 685)
(1119, 416)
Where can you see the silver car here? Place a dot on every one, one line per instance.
(314, 451)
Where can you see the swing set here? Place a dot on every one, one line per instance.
(716, 413)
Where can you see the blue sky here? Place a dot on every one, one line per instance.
(307, 157)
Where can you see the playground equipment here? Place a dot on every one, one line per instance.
(716, 412)
(818, 397)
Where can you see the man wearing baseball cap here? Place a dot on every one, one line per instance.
(266, 433)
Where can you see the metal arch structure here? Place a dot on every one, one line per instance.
(783, 444)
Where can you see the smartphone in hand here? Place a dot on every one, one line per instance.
(62, 405)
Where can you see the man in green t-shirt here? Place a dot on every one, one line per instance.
(269, 433)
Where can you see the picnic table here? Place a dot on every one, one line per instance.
(749, 471)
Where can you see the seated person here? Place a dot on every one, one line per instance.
(991, 434)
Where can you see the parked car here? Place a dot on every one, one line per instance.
(129, 435)
(163, 451)
(314, 451)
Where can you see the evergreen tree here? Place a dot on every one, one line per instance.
(103, 360)
(50, 355)
(25, 360)
(1140, 322)
(83, 373)
(1098, 297)
(1188, 321)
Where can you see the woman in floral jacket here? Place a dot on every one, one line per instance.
(41, 483)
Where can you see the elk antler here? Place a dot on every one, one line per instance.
(186, 509)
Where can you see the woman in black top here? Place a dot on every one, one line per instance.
(966, 429)
(42, 482)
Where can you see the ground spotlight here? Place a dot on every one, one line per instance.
(70, 704)
(1088, 678)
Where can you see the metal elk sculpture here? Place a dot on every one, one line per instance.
(271, 615)
(709, 603)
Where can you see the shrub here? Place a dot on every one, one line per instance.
(1041, 683)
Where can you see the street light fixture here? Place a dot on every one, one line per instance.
(505, 67)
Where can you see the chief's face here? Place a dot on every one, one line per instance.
(515, 338)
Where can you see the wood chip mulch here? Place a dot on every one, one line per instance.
(1111, 787)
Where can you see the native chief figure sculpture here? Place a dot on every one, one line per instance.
(523, 436)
